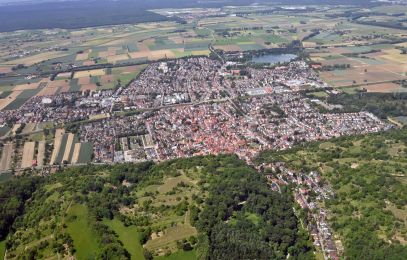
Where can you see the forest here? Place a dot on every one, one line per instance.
(380, 104)
(208, 207)
(91, 13)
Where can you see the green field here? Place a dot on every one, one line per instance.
(22, 98)
(85, 153)
(129, 236)
(4, 130)
(62, 149)
(81, 233)
(180, 255)
(2, 249)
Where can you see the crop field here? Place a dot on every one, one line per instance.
(68, 147)
(385, 88)
(59, 134)
(41, 153)
(5, 102)
(159, 40)
(375, 64)
(17, 99)
(4, 130)
(28, 154)
(82, 153)
(5, 161)
(34, 59)
(89, 73)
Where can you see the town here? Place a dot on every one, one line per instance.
(194, 106)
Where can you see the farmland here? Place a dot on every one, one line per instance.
(379, 65)
(5, 161)
(28, 154)
(374, 54)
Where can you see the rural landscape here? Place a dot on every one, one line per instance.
(203, 130)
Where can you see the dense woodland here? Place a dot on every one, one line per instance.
(89, 13)
(380, 104)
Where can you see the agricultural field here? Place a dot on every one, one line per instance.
(68, 150)
(4, 130)
(373, 53)
(6, 156)
(14, 96)
(28, 154)
(375, 67)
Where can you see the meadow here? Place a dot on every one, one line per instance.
(81, 232)
(129, 236)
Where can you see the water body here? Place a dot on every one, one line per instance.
(273, 58)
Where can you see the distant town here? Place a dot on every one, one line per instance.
(187, 107)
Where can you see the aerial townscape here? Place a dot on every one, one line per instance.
(231, 129)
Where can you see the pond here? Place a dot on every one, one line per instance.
(273, 58)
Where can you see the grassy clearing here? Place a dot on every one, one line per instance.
(81, 233)
(129, 237)
(180, 255)
(318, 94)
(2, 249)
(171, 235)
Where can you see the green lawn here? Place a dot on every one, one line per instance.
(81, 233)
(2, 249)
(320, 94)
(129, 237)
(180, 255)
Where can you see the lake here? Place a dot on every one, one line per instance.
(273, 58)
